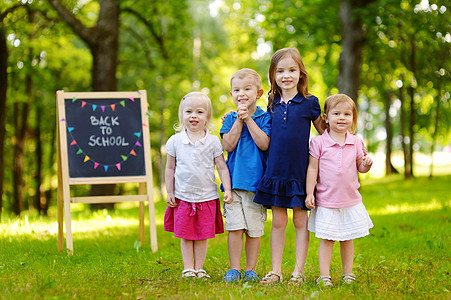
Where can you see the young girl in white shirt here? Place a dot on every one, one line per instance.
(194, 212)
(338, 213)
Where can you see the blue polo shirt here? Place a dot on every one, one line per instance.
(247, 162)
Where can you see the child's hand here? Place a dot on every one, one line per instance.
(243, 112)
(228, 197)
(225, 116)
(171, 200)
(310, 201)
(367, 161)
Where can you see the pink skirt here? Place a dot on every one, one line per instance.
(194, 221)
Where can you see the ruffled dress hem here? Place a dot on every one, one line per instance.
(340, 224)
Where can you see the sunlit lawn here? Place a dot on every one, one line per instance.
(407, 254)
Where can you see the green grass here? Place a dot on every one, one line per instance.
(407, 254)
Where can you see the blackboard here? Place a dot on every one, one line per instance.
(104, 137)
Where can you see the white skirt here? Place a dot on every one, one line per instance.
(340, 224)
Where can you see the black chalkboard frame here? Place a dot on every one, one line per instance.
(65, 181)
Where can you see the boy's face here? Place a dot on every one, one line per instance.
(245, 91)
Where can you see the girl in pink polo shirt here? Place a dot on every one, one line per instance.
(338, 213)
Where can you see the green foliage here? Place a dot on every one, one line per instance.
(405, 256)
(172, 47)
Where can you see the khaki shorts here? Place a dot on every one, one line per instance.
(244, 213)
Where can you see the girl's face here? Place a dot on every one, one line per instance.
(195, 114)
(287, 74)
(340, 118)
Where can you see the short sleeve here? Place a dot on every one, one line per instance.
(217, 146)
(228, 123)
(265, 125)
(359, 147)
(316, 108)
(315, 147)
(170, 146)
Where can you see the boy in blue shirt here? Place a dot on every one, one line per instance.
(245, 134)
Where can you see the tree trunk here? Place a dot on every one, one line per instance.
(404, 141)
(436, 124)
(412, 103)
(21, 118)
(389, 169)
(353, 40)
(103, 41)
(3, 89)
(38, 176)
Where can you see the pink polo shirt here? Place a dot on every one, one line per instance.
(337, 184)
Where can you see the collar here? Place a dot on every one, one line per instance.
(186, 140)
(350, 140)
(298, 99)
(258, 113)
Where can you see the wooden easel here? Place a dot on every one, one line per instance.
(65, 181)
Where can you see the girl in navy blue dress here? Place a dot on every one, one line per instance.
(292, 111)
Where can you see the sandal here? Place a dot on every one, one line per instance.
(189, 273)
(348, 278)
(296, 278)
(324, 280)
(202, 274)
(271, 278)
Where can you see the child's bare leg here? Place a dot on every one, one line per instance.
(187, 247)
(325, 256)
(347, 255)
(300, 220)
(252, 249)
(279, 224)
(200, 253)
(235, 246)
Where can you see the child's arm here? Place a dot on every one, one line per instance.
(224, 174)
(261, 139)
(364, 164)
(231, 138)
(169, 179)
(320, 125)
(312, 175)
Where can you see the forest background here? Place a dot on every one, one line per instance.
(392, 57)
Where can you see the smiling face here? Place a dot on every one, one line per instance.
(340, 106)
(340, 117)
(287, 75)
(245, 90)
(195, 114)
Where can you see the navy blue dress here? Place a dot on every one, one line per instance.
(283, 184)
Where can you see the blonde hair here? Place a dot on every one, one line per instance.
(201, 96)
(302, 86)
(333, 100)
(242, 73)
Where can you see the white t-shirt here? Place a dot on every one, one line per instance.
(195, 166)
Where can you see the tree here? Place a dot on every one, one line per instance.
(352, 44)
(3, 98)
(103, 41)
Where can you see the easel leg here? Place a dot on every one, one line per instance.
(142, 237)
(60, 221)
(67, 215)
